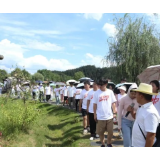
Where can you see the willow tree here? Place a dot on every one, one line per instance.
(135, 46)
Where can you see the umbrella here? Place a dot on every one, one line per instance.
(39, 82)
(116, 90)
(72, 80)
(52, 84)
(84, 79)
(1, 84)
(60, 83)
(149, 74)
(80, 86)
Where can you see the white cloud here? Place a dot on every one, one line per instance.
(109, 29)
(91, 59)
(13, 55)
(46, 46)
(27, 32)
(154, 17)
(96, 16)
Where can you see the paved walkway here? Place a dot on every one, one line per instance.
(96, 143)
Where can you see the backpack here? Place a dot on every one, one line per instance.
(157, 143)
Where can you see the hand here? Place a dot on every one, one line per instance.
(95, 118)
(114, 115)
(80, 109)
(130, 109)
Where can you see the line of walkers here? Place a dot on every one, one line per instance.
(137, 113)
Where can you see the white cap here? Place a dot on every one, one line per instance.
(122, 88)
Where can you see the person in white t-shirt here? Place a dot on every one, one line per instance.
(91, 111)
(18, 86)
(65, 90)
(77, 97)
(146, 118)
(156, 99)
(104, 102)
(83, 105)
(56, 91)
(71, 90)
(41, 92)
(61, 93)
(48, 92)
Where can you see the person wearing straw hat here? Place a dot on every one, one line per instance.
(146, 117)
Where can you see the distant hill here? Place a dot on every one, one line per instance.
(93, 72)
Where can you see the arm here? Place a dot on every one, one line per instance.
(114, 107)
(95, 109)
(119, 115)
(150, 139)
(88, 103)
(80, 104)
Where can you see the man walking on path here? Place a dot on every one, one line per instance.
(91, 111)
(104, 102)
(65, 88)
(48, 92)
(83, 104)
(71, 90)
(56, 91)
(146, 118)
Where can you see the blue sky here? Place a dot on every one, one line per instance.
(55, 41)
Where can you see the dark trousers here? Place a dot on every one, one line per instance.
(41, 96)
(48, 97)
(92, 124)
(77, 107)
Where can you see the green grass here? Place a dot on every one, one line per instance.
(56, 127)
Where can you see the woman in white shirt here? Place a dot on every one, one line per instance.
(48, 92)
(156, 99)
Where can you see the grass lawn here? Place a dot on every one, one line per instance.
(56, 127)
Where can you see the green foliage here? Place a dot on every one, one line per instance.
(16, 118)
(26, 74)
(134, 48)
(78, 75)
(38, 77)
(3, 74)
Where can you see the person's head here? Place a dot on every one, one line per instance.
(95, 86)
(103, 84)
(123, 80)
(87, 85)
(122, 90)
(110, 87)
(132, 94)
(109, 80)
(71, 83)
(144, 93)
(56, 86)
(48, 84)
(155, 86)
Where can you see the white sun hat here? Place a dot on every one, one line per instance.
(123, 88)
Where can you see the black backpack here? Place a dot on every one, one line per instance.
(157, 143)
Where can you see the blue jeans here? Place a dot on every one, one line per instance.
(57, 99)
(127, 126)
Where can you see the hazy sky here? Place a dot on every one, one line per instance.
(55, 41)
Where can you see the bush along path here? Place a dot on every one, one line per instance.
(96, 143)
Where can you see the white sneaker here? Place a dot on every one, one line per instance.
(85, 131)
(92, 138)
(97, 136)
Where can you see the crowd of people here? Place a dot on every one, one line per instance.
(137, 111)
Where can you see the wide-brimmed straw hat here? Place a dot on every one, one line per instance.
(145, 88)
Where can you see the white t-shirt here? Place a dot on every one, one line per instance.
(90, 97)
(104, 100)
(83, 96)
(56, 90)
(78, 92)
(48, 90)
(156, 102)
(61, 90)
(65, 90)
(41, 88)
(71, 91)
(147, 117)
